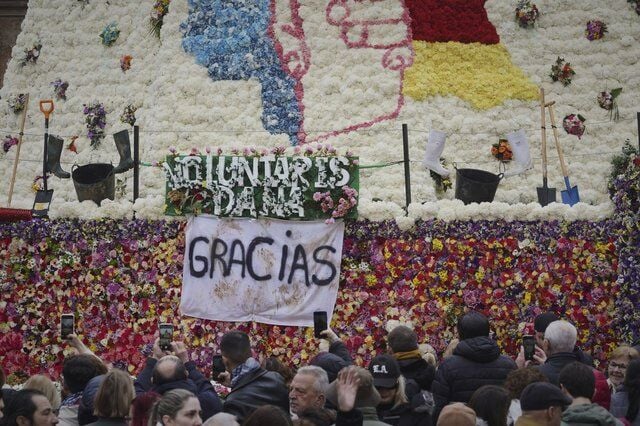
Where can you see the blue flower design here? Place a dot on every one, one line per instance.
(231, 39)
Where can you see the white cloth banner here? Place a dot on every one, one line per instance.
(269, 271)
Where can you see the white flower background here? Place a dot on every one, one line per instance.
(181, 106)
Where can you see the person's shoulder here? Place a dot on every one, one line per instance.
(506, 359)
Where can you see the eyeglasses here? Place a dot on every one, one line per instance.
(618, 366)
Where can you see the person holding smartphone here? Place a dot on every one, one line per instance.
(251, 385)
(172, 369)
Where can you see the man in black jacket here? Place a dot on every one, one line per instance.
(403, 345)
(165, 371)
(476, 361)
(251, 385)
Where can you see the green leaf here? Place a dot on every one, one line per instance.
(616, 92)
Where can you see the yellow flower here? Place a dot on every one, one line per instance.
(437, 245)
(480, 74)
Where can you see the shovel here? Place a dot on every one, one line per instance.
(44, 196)
(570, 195)
(546, 195)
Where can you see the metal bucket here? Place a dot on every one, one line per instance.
(94, 182)
(476, 186)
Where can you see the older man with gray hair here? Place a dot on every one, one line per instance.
(308, 389)
(559, 340)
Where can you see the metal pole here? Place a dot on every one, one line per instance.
(136, 162)
(407, 175)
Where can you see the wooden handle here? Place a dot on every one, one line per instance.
(543, 132)
(17, 158)
(563, 166)
(46, 106)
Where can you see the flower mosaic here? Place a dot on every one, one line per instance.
(122, 277)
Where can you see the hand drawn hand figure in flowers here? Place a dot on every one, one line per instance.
(265, 40)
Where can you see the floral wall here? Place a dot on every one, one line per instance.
(344, 73)
(122, 277)
(268, 73)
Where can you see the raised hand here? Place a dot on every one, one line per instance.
(347, 388)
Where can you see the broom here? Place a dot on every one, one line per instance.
(7, 214)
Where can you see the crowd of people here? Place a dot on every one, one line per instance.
(473, 384)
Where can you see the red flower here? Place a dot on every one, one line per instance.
(464, 21)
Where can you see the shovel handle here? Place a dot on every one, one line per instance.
(46, 107)
(543, 134)
(563, 165)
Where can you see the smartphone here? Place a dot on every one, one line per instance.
(319, 323)
(67, 322)
(529, 344)
(218, 365)
(166, 336)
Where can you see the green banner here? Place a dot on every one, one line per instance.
(299, 187)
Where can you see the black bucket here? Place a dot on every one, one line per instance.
(476, 186)
(94, 182)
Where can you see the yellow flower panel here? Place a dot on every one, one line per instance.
(482, 75)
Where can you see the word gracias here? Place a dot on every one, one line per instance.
(222, 257)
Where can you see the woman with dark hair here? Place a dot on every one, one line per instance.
(626, 402)
(273, 363)
(178, 407)
(491, 404)
(28, 407)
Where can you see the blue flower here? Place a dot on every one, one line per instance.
(231, 39)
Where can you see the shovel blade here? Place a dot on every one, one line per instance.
(546, 195)
(41, 203)
(570, 196)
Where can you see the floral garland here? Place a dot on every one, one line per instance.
(31, 55)
(562, 72)
(17, 102)
(501, 151)
(125, 63)
(110, 34)
(60, 88)
(526, 13)
(8, 142)
(573, 124)
(595, 30)
(341, 207)
(625, 188)
(608, 100)
(160, 9)
(128, 116)
(96, 120)
(120, 277)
